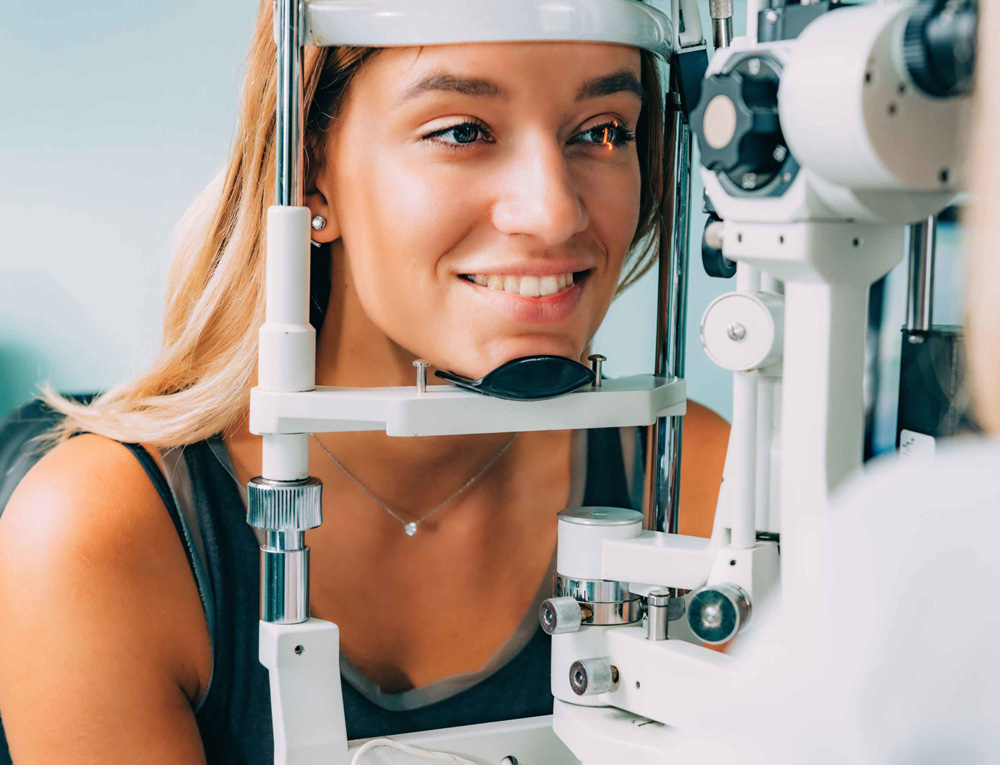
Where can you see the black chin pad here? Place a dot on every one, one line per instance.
(528, 378)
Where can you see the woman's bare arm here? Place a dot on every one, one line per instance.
(103, 643)
(703, 455)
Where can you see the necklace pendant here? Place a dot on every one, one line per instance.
(410, 529)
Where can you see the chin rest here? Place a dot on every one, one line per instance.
(528, 378)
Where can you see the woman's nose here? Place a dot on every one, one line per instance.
(540, 198)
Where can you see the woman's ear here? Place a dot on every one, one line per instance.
(317, 195)
(319, 205)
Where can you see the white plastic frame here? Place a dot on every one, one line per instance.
(393, 23)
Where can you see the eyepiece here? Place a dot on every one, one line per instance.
(939, 46)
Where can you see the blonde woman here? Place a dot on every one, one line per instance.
(472, 204)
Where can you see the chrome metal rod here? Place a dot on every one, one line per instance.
(663, 448)
(920, 286)
(284, 573)
(722, 32)
(289, 30)
(721, 12)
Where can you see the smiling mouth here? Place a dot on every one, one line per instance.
(528, 286)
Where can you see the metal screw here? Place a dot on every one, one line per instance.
(780, 152)
(771, 17)
(736, 331)
(421, 366)
(596, 360)
(749, 180)
(711, 616)
(786, 178)
(548, 618)
(754, 66)
(578, 679)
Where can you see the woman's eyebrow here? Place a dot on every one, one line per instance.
(621, 81)
(445, 81)
(618, 82)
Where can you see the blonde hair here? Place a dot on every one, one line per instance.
(200, 382)
(982, 292)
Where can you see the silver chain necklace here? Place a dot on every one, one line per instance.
(410, 527)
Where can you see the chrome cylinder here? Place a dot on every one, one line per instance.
(289, 32)
(284, 571)
(663, 448)
(920, 283)
(598, 602)
(721, 12)
(284, 511)
(657, 614)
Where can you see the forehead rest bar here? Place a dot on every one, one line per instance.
(404, 23)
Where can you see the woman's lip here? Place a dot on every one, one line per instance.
(535, 310)
(539, 271)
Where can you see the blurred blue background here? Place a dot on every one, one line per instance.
(116, 115)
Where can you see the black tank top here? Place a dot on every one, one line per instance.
(234, 716)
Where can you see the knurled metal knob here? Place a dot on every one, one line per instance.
(560, 615)
(719, 612)
(285, 505)
(589, 677)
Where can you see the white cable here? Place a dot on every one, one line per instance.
(415, 751)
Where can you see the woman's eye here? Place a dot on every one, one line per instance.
(608, 135)
(459, 135)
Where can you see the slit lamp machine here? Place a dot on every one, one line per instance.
(824, 133)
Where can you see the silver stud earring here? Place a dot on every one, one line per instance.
(318, 223)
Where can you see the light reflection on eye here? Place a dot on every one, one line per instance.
(608, 135)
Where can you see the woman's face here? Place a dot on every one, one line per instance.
(485, 196)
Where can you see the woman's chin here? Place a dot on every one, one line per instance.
(517, 348)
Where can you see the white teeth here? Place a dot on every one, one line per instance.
(530, 286)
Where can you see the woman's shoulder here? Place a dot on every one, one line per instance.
(88, 488)
(90, 561)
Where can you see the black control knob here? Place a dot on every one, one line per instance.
(716, 264)
(737, 124)
(939, 46)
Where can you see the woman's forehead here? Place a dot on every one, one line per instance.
(503, 70)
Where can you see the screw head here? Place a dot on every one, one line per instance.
(548, 617)
(578, 680)
(736, 331)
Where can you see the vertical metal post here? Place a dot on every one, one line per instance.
(285, 507)
(721, 12)
(663, 448)
(289, 31)
(920, 284)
